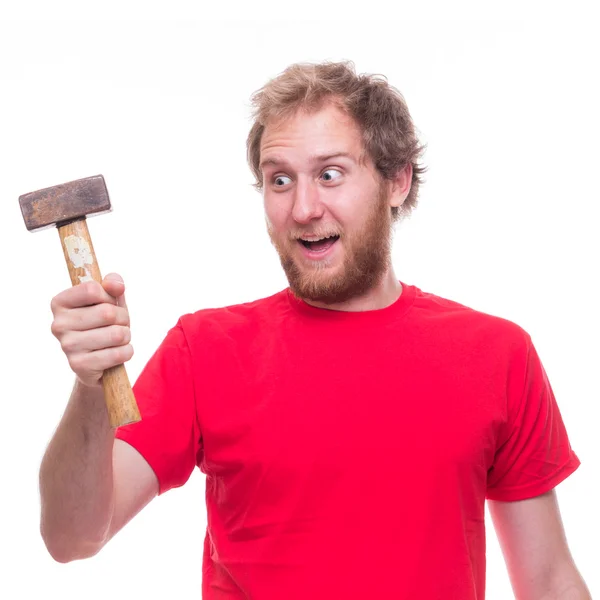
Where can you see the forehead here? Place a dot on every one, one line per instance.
(318, 131)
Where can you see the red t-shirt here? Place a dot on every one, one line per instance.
(349, 455)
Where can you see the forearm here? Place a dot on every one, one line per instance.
(568, 585)
(576, 592)
(76, 478)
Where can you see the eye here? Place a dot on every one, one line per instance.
(281, 180)
(331, 175)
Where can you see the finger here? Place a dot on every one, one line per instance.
(90, 317)
(84, 294)
(100, 360)
(75, 342)
(114, 285)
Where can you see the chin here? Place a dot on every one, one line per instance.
(334, 283)
(327, 285)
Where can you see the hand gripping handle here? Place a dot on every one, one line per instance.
(83, 266)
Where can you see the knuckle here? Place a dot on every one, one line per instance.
(93, 292)
(126, 352)
(124, 335)
(122, 316)
(67, 344)
(108, 313)
(117, 336)
(76, 362)
(57, 304)
(56, 328)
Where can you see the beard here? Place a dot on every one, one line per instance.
(367, 257)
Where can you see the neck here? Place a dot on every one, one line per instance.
(385, 293)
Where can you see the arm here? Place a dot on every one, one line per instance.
(535, 549)
(91, 485)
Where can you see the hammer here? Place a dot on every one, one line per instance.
(67, 206)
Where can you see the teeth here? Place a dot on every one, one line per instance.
(317, 239)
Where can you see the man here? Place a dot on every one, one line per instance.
(350, 427)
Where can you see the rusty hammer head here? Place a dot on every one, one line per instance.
(64, 203)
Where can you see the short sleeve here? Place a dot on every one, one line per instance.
(168, 435)
(533, 454)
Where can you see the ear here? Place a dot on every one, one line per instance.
(400, 185)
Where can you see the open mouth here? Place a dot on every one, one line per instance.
(321, 244)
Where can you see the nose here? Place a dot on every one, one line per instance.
(307, 204)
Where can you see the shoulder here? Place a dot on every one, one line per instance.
(467, 324)
(236, 318)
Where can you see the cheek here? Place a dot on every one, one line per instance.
(350, 211)
(276, 213)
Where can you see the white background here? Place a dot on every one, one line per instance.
(158, 103)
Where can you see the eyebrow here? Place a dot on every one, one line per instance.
(318, 158)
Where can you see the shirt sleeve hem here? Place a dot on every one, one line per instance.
(122, 435)
(536, 489)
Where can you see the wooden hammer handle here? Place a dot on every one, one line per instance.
(83, 266)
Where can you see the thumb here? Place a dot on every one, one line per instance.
(114, 285)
